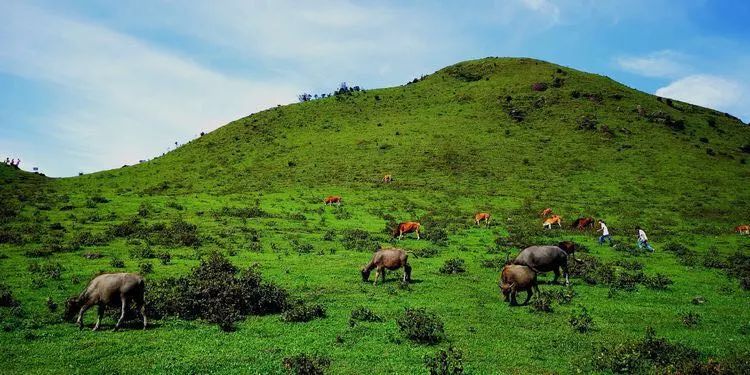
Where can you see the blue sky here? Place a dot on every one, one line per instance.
(92, 85)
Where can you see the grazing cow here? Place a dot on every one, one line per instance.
(406, 227)
(387, 178)
(514, 279)
(569, 247)
(583, 222)
(391, 259)
(742, 229)
(332, 199)
(110, 289)
(545, 212)
(555, 219)
(543, 259)
(482, 216)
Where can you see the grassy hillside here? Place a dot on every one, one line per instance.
(506, 136)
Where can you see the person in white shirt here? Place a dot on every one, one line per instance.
(643, 240)
(605, 233)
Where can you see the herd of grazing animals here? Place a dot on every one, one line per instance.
(518, 275)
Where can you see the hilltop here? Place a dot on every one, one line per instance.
(508, 136)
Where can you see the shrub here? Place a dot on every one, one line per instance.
(421, 326)
(303, 364)
(6, 297)
(143, 251)
(359, 240)
(557, 82)
(690, 319)
(438, 236)
(712, 259)
(542, 302)
(658, 282)
(215, 292)
(363, 314)
(581, 321)
(242, 212)
(539, 86)
(453, 266)
(340, 213)
(117, 263)
(698, 300)
(99, 199)
(587, 123)
(496, 263)
(146, 268)
(91, 255)
(303, 312)
(445, 362)
(632, 265)
(516, 114)
(562, 296)
(649, 353)
(51, 304)
(47, 270)
(302, 248)
(329, 235)
(165, 257)
(11, 236)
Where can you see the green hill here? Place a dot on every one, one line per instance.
(506, 136)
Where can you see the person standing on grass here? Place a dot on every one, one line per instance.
(643, 240)
(605, 233)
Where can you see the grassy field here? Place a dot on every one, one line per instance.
(471, 137)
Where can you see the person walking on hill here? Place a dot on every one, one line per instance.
(605, 233)
(7, 161)
(643, 240)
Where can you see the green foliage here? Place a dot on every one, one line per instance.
(445, 362)
(363, 314)
(581, 321)
(421, 326)
(304, 364)
(453, 266)
(301, 311)
(6, 297)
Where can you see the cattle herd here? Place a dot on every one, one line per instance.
(518, 275)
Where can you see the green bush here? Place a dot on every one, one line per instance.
(117, 263)
(6, 297)
(146, 268)
(445, 362)
(363, 314)
(303, 364)
(542, 302)
(301, 311)
(359, 240)
(581, 321)
(453, 266)
(421, 326)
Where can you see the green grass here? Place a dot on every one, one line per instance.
(453, 150)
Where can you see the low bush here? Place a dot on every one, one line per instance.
(542, 302)
(363, 314)
(421, 326)
(142, 251)
(11, 236)
(445, 362)
(51, 271)
(539, 86)
(496, 263)
(359, 240)
(241, 212)
(690, 319)
(300, 311)
(302, 248)
(303, 364)
(145, 268)
(685, 256)
(164, 257)
(428, 252)
(117, 263)
(217, 292)
(644, 356)
(658, 282)
(581, 321)
(453, 266)
(632, 265)
(6, 297)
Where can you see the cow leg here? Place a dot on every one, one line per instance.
(513, 301)
(529, 293)
(141, 306)
(383, 272)
(557, 275)
(565, 273)
(100, 314)
(124, 302)
(80, 315)
(400, 235)
(417, 233)
(377, 275)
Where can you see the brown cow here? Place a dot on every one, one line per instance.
(583, 222)
(332, 199)
(391, 259)
(406, 227)
(742, 229)
(569, 247)
(110, 289)
(545, 212)
(387, 178)
(482, 216)
(515, 278)
(555, 219)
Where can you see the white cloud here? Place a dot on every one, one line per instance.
(122, 99)
(544, 7)
(661, 64)
(708, 91)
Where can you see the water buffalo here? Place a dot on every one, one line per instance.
(514, 279)
(391, 259)
(543, 259)
(110, 289)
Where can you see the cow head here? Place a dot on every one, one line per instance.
(365, 274)
(72, 306)
(569, 247)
